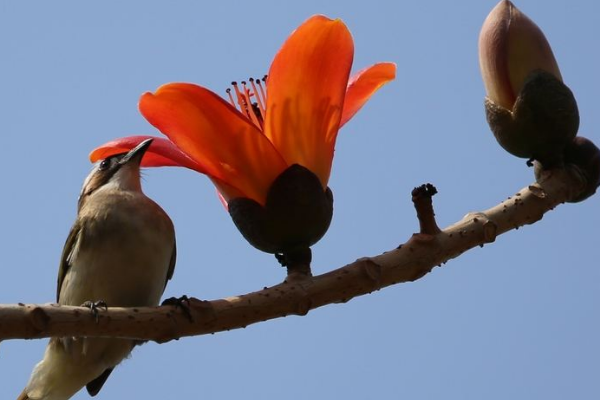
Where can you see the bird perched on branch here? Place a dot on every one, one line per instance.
(120, 252)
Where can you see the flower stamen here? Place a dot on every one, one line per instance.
(251, 107)
(259, 99)
(228, 91)
(255, 111)
(263, 93)
(241, 101)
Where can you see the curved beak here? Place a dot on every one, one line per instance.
(137, 153)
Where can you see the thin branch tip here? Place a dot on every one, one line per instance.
(425, 190)
(422, 197)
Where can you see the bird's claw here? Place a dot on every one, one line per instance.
(182, 302)
(94, 306)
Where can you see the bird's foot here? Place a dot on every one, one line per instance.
(182, 302)
(95, 306)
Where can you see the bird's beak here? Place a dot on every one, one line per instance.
(136, 153)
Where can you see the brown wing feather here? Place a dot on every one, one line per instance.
(172, 263)
(64, 266)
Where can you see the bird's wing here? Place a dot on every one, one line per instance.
(172, 263)
(70, 248)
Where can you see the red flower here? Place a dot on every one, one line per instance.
(291, 118)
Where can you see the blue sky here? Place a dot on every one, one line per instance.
(516, 319)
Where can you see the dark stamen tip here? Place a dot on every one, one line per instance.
(243, 82)
(234, 83)
(227, 90)
(251, 79)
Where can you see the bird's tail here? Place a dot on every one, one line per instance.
(55, 377)
(70, 364)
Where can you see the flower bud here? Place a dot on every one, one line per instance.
(543, 121)
(511, 46)
(531, 112)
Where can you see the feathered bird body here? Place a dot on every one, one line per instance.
(121, 250)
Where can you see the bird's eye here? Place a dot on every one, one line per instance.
(104, 164)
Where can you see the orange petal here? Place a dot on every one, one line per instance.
(363, 85)
(161, 153)
(305, 94)
(216, 136)
(226, 192)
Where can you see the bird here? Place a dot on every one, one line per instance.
(121, 251)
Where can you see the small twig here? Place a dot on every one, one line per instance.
(422, 197)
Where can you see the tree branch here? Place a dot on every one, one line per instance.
(409, 262)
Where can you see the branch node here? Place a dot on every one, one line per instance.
(490, 230)
(423, 237)
(39, 319)
(372, 270)
(537, 191)
(303, 307)
(204, 308)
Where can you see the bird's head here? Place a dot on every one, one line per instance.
(119, 171)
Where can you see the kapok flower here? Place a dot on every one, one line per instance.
(511, 46)
(267, 127)
(531, 112)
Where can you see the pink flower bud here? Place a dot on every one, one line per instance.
(511, 46)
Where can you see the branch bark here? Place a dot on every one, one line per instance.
(409, 262)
